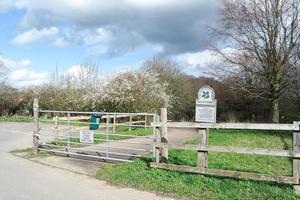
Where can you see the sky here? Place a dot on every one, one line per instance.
(36, 36)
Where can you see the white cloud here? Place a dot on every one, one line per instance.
(10, 63)
(74, 70)
(78, 71)
(203, 61)
(200, 61)
(175, 26)
(25, 77)
(100, 35)
(60, 42)
(34, 35)
(88, 37)
(5, 5)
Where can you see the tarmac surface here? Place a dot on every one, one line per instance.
(23, 179)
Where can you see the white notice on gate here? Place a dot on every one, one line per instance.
(87, 137)
(206, 114)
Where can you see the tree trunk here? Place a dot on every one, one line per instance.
(275, 110)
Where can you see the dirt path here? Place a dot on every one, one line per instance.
(180, 136)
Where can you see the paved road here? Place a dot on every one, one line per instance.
(22, 179)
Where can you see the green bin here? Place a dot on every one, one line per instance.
(95, 119)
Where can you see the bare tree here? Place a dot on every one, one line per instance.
(73, 90)
(3, 72)
(166, 68)
(264, 36)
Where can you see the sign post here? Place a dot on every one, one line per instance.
(206, 105)
(86, 137)
(206, 111)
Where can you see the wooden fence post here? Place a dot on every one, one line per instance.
(35, 136)
(157, 140)
(114, 123)
(202, 160)
(296, 161)
(130, 123)
(56, 126)
(164, 134)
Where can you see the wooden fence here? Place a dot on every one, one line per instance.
(162, 145)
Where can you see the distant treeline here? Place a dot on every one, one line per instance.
(159, 83)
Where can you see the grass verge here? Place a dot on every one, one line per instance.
(249, 138)
(187, 185)
(194, 186)
(15, 118)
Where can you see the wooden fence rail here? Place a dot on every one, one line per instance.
(226, 149)
(228, 173)
(162, 145)
(245, 126)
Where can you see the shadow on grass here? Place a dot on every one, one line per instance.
(28, 153)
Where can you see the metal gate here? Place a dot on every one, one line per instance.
(103, 136)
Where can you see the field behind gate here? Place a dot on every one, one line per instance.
(138, 174)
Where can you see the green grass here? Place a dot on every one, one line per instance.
(249, 138)
(237, 162)
(15, 118)
(139, 175)
(281, 140)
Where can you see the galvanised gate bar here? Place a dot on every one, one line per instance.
(102, 136)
